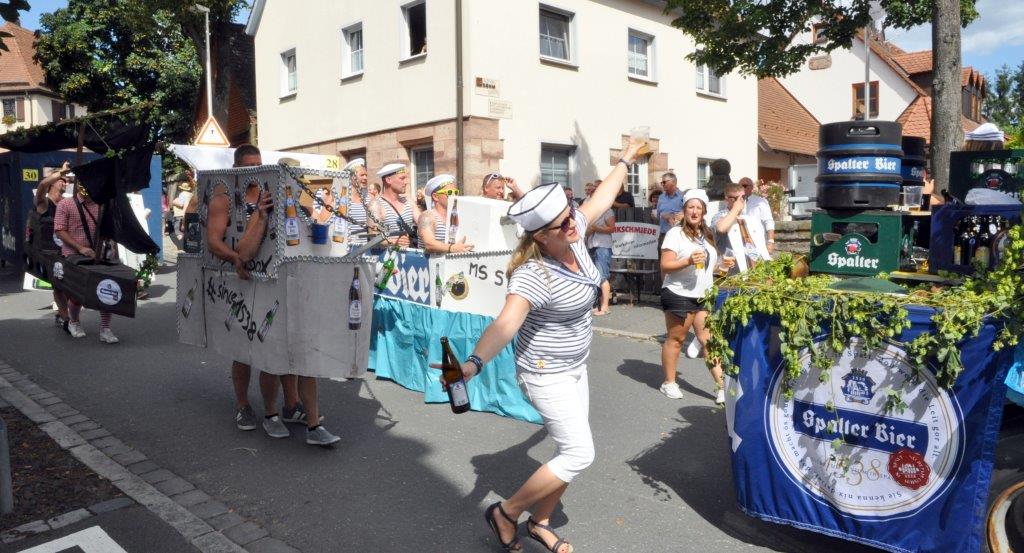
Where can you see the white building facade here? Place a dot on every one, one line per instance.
(551, 89)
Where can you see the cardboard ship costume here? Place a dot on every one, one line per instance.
(308, 305)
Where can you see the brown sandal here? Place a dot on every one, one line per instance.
(552, 548)
(513, 544)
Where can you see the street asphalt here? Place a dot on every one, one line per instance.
(406, 476)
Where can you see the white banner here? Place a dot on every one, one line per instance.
(635, 241)
(472, 283)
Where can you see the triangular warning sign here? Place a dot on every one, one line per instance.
(211, 135)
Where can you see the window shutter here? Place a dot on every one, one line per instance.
(19, 109)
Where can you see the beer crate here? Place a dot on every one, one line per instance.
(943, 232)
(1001, 170)
(861, 243)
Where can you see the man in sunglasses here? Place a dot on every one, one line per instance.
(669, 208)
(494, 187)
(439, 222)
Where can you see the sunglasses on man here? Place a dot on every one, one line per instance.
(447, 192)
(490, 177)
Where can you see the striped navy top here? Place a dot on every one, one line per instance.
(357, 232)
(440, 227)
(390, 220)
(556, 334)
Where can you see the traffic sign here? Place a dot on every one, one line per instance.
(211, 135)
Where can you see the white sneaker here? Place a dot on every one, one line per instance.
(75, 330)
(693, 350)
(720, 397)
(107, 336)
(671, 389)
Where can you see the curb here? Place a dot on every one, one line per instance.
(203, 521)
(657, 339)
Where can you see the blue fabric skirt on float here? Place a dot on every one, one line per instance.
(406, 339)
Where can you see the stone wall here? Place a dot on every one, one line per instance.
(793, 236)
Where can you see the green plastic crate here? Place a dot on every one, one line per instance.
(868, 242)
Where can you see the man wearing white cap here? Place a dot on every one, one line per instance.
(359, 202)
(688, 262)
(552, 286)
(435, 233)
(397, 214)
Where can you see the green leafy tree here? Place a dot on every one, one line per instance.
(1004, 105)
(756, 37)
(108, 55)
(9, 11)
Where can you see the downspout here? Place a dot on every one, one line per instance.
(460, 138)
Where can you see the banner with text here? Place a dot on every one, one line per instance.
(635, 241)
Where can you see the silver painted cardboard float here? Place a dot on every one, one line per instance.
(307, 308)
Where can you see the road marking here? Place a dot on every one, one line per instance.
(90, 540)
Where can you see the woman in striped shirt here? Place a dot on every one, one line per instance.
(433, 224)
(551, 289)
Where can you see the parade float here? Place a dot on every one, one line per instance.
(866, 400)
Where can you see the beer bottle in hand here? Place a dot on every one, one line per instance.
(451, 372)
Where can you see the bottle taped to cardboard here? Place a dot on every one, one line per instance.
(297, 313)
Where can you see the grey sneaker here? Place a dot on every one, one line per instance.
(274, 427)
(297, 414)
(320, 436)
(245, 419)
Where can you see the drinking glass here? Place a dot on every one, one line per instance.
(728, 262)
(642, 135)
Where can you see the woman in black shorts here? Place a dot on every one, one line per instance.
(688, 262)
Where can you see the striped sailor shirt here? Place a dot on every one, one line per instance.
(556, 334)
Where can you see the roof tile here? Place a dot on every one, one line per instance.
(783, 123)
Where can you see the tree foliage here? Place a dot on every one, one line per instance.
(756, 37)
(1004, 104)
(108, 55)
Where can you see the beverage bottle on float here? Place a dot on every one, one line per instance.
(355, 302)
(239, 211)
(340, 227)
(453, 225)
(983, 251)
(387, 269)
(186, 306)
(454, 381)
(267, 321)
(232, 314)
(291, 222)
(438, 285)
(970, 242)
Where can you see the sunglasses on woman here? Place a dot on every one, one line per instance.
(564, 225)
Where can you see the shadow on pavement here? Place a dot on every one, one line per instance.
(651, 375)
(504, 471)
(705, 488)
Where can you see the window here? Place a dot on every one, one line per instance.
(703, 172)
(818, 33)
(858, 100)
(641, 55)
(554, 164)
(71, 111)
(555, 27)
(57, 110)
(636, 181)
(9, 107)
(708, 82)
(352, 51)
(289, 73)
(415, 39)
(422, 165)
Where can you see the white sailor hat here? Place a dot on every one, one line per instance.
(357, 162)
(435, 184)
(696, 193)
(391, 169)
(539, 207)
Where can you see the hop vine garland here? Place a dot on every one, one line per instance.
(807, 307)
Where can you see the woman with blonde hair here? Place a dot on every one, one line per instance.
(552, 286)
(688, 261)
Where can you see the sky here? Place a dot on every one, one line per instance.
(994, 39)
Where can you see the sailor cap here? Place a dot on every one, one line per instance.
(539, 207)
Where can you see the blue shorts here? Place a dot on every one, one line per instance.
(602, 260)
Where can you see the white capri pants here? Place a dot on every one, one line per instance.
(563, 401)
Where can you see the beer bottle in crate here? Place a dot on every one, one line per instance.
(451, 372)
(355, 302)
(291, 222)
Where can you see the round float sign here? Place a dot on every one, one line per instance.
(108, 292)
(891, 463)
